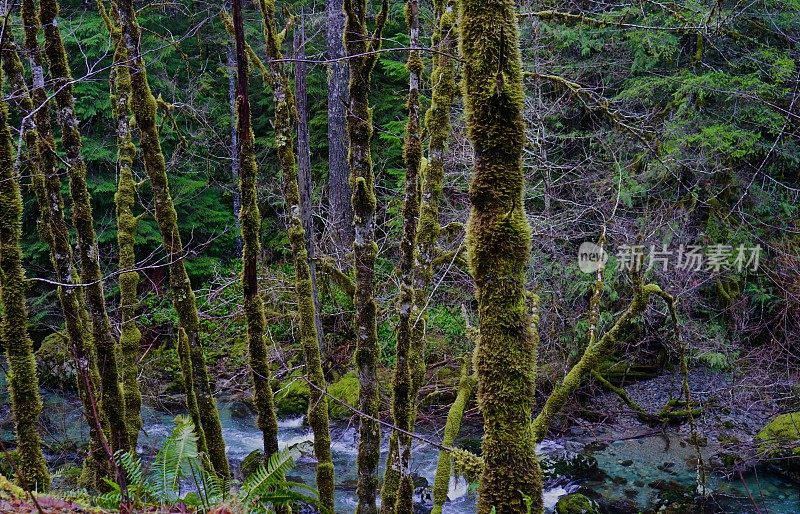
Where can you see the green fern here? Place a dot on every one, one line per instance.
(268, 486)
(174, 460)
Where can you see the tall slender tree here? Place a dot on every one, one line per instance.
(499, 243)
(285, 125)
(340, 215)
(127, 222)
(83, 220)
(304, 166)
(23, 381)
(250, 222)
(40, 143)
(398, 485)
(362, 56)
(143, 105)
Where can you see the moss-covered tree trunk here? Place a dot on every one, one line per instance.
(499, 243)
(444, 468)
(250, 222)
(38, 135)
(398, 485)
(285, 124)
(143, 105)
(23, 381)
(127, 222)
(361, 49)
(595, 351)
(438, 126)
(88, 251)
(437, 123)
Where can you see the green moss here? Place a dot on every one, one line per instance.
(88, 252)
(9, 491)
(576, 503)
(452, 427)
(345, 389)
(251, 463)
(499, 242)
(593, 356)
(143, 106)
(292, 398)
(127, 223)
(781, 436)
(361, 46)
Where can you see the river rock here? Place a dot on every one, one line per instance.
(576, 503)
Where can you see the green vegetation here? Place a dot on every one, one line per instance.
(171, 239)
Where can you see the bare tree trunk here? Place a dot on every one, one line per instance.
(144, 109)
(235, 165)
(340, 216)
(304, 167)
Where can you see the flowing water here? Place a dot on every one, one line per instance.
(629, 475)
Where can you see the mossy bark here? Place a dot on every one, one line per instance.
(23, 381)
(592, 355)
(499, 243)
(360, 46)
(444, 468)
(250, 222)
(185, 359)
(285, 124)
(143, 105)
(398, 485)
(88, 251)
(127, 222)
(437, 123)
(40, 144)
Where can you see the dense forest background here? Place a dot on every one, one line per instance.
(692, 145)
(654, 125)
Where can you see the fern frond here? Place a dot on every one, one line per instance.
(173, 459)
(268, 476)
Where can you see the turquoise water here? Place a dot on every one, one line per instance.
(641, 473)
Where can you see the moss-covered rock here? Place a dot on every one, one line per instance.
(292, 398)
(781, 436)
(345, 389)
(9, 491)
(55, 363)
(251, 463)
(576, 503)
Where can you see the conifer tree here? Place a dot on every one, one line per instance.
(23, 381)
(143, 105)
(499, 243)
